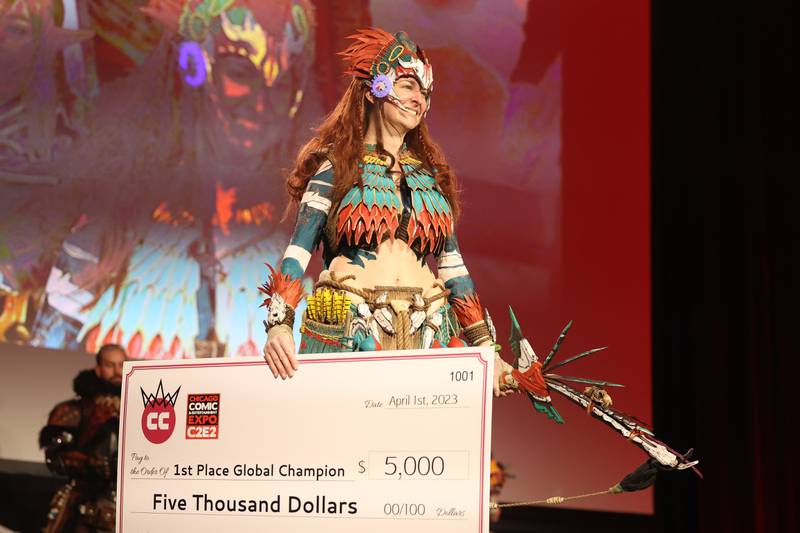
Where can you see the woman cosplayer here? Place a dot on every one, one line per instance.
(377, 193)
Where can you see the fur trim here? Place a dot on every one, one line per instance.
(86, 384)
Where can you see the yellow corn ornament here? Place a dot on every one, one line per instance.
(328, 306)
(311, 307)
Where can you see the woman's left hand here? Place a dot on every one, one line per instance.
(504, 384)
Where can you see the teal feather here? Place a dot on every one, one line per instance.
(436, 198)
(416, 201)
(447, 209)
(440, 200)
(369, 197)
(516, 337)
(376, 180)
(429, 206)
(368, 176)
(381, 198)
(396, 203)
(433, 202)
(549, 410)
(427, 181)
(354, 197)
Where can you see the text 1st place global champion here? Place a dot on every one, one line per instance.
(260, 471)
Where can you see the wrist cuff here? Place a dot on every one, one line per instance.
(279, 312)
(279, 329)
(477, 333)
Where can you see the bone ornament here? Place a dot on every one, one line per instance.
(432, 325)
(276, 312)
(364, 312)
(382, 314)
(418, 315)
(488, 319)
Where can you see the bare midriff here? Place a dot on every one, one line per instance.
(395, 265)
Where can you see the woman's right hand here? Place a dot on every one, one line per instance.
(279, 353)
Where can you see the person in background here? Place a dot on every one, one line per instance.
(497, 478)
(80, 443)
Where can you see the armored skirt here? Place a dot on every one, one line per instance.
(386, 318)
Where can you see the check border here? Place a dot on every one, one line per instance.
(311, 360)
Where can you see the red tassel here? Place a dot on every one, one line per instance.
(456, 342)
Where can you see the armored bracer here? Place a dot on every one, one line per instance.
(284, 288)
(476, 325)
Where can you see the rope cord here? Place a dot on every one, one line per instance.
(336, 282)
(555, 500)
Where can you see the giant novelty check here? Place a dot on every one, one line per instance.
(369, 441)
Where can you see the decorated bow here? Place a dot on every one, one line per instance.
(537, 379)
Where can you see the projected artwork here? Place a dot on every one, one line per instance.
(143, 147)
(143, 151)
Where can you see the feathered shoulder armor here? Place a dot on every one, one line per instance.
(368, 215)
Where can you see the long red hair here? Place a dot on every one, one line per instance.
(340, 139)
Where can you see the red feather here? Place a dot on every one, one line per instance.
(468, 309)
(289, 288)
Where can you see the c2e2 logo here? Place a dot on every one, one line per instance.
(202, 416)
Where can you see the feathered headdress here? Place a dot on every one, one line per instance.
(361, 55)
(380, 58)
